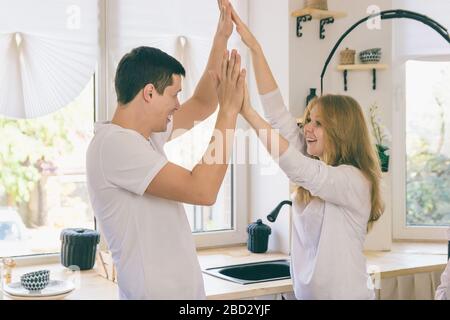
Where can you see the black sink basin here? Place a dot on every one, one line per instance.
(253, 272)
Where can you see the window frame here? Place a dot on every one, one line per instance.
(400, 230)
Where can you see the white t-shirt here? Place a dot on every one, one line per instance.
(327, 260)
(149, 237)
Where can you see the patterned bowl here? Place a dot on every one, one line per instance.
(35, 281)
(370, 55)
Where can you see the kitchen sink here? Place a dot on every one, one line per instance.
(253, 272)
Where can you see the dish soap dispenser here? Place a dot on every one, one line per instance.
(258, 236)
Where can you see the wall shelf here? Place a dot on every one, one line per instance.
(325, 17)
(362, 67)
(365, 66)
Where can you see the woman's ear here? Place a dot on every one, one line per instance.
(148, 92)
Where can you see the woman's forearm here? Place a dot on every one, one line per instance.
(275, 144)
(264, 78)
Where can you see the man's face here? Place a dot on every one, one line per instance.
(166, 104)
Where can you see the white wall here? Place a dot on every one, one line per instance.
(413, 38)
(268, 185)
(297, 64)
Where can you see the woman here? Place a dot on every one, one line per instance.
(338, 195)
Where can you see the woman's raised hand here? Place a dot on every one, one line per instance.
(246, 35)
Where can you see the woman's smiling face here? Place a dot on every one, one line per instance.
(314, 133)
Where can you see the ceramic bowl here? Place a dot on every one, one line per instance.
(370, 55)
(35, 281)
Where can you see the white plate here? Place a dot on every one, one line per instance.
(54, 288)
(57, 297)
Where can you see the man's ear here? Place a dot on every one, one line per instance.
(148, 92)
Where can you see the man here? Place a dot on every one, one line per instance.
(135, 192)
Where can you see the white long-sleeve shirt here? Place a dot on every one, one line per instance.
(327, 260)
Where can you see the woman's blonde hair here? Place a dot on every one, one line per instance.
(347, 141)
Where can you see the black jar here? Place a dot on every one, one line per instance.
(78, 247)
(258, 237)
(311, 96)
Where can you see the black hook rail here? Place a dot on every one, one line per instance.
(387, 14)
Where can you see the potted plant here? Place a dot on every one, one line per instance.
(382, 137)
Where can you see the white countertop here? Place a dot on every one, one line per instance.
(404, 258)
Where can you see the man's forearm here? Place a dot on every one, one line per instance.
(216, 55)
(211, 171)
(205, 91)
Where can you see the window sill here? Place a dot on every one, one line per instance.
(36, 260)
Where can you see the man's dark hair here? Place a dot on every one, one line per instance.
(141, 66)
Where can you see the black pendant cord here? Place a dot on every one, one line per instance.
(388, 14)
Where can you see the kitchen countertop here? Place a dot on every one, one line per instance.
(89, 285)
(404, 258)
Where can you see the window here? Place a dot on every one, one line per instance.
(422, 183)
(427, 143)
(420, 118)
(42, 177)
(42, 160)
(187, 151)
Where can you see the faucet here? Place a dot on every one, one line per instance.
(274, 214)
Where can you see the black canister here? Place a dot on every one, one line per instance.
(258, 236)
(312, 95)
(78, 247)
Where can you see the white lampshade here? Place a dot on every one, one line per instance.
(48, 51)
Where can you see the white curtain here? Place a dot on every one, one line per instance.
(419, 286)
(413, 38)
(48, 53)
(183, 29)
